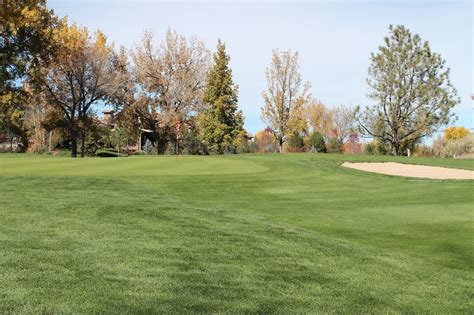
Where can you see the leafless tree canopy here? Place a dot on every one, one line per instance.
(171, 77)
(285, 95)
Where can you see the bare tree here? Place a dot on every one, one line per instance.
(344, 122)
(285, 96)
(172, 77)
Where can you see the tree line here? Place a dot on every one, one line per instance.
(55, 75)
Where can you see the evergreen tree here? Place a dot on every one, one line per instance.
(317, 143)
(221, 123)
(412, 90)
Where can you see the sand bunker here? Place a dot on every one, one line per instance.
(410, 170)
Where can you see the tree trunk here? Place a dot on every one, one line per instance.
(50, 145)
(395, 144)
(74, 146)
(394, 150)
(83, 143)
(11, 145)
(161, 146)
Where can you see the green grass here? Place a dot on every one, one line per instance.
(252, 233)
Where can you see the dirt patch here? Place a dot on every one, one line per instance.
(410, 170)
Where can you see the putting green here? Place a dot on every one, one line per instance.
(128, 166)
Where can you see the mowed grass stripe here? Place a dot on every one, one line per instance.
(127, 166)
(302, 236)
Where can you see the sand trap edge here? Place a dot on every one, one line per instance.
(411, 170)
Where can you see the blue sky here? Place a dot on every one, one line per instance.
(334, 39)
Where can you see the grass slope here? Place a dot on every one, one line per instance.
(256, 233)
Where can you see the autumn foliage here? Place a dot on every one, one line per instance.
(454, 133)
(266, 141)
(353, 145)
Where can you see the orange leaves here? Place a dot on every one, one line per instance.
(266, 141)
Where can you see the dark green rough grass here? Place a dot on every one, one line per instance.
(259, 234)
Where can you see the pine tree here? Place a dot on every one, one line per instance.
(413, 93)
(221, 123)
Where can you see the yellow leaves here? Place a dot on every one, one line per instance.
(75, 44)
(266, 141)
(319, 117)
(100, 40)
(297, 122)
(100, 44)
(265, 134)
(455, 133)
(5, 98)
(16, 17)
(241, 138)
(71, 39)
(30, 16)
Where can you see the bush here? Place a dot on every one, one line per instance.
(61, 152)
(139, 153)
(295, 143)
(266, 142)
(148, 147)
(352, 146)
(242, 143)
(190, 143)
(423, 151)
(454, 147)
(316, 143)
(170, 148)
(244, 147)
(370, 149)
(457, 147)
(375, 148)
(107, 152)
(334, 145)
(438, 146)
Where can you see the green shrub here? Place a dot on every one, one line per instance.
(107, 152)
(244, 147)
(381, 148)
(295, 143)
(170, 148)
(370, 149)
(334, 145)
(316, 143)
(190, 143)
(375, 148)
(139, 153)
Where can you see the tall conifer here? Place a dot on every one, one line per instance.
(221, 124)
